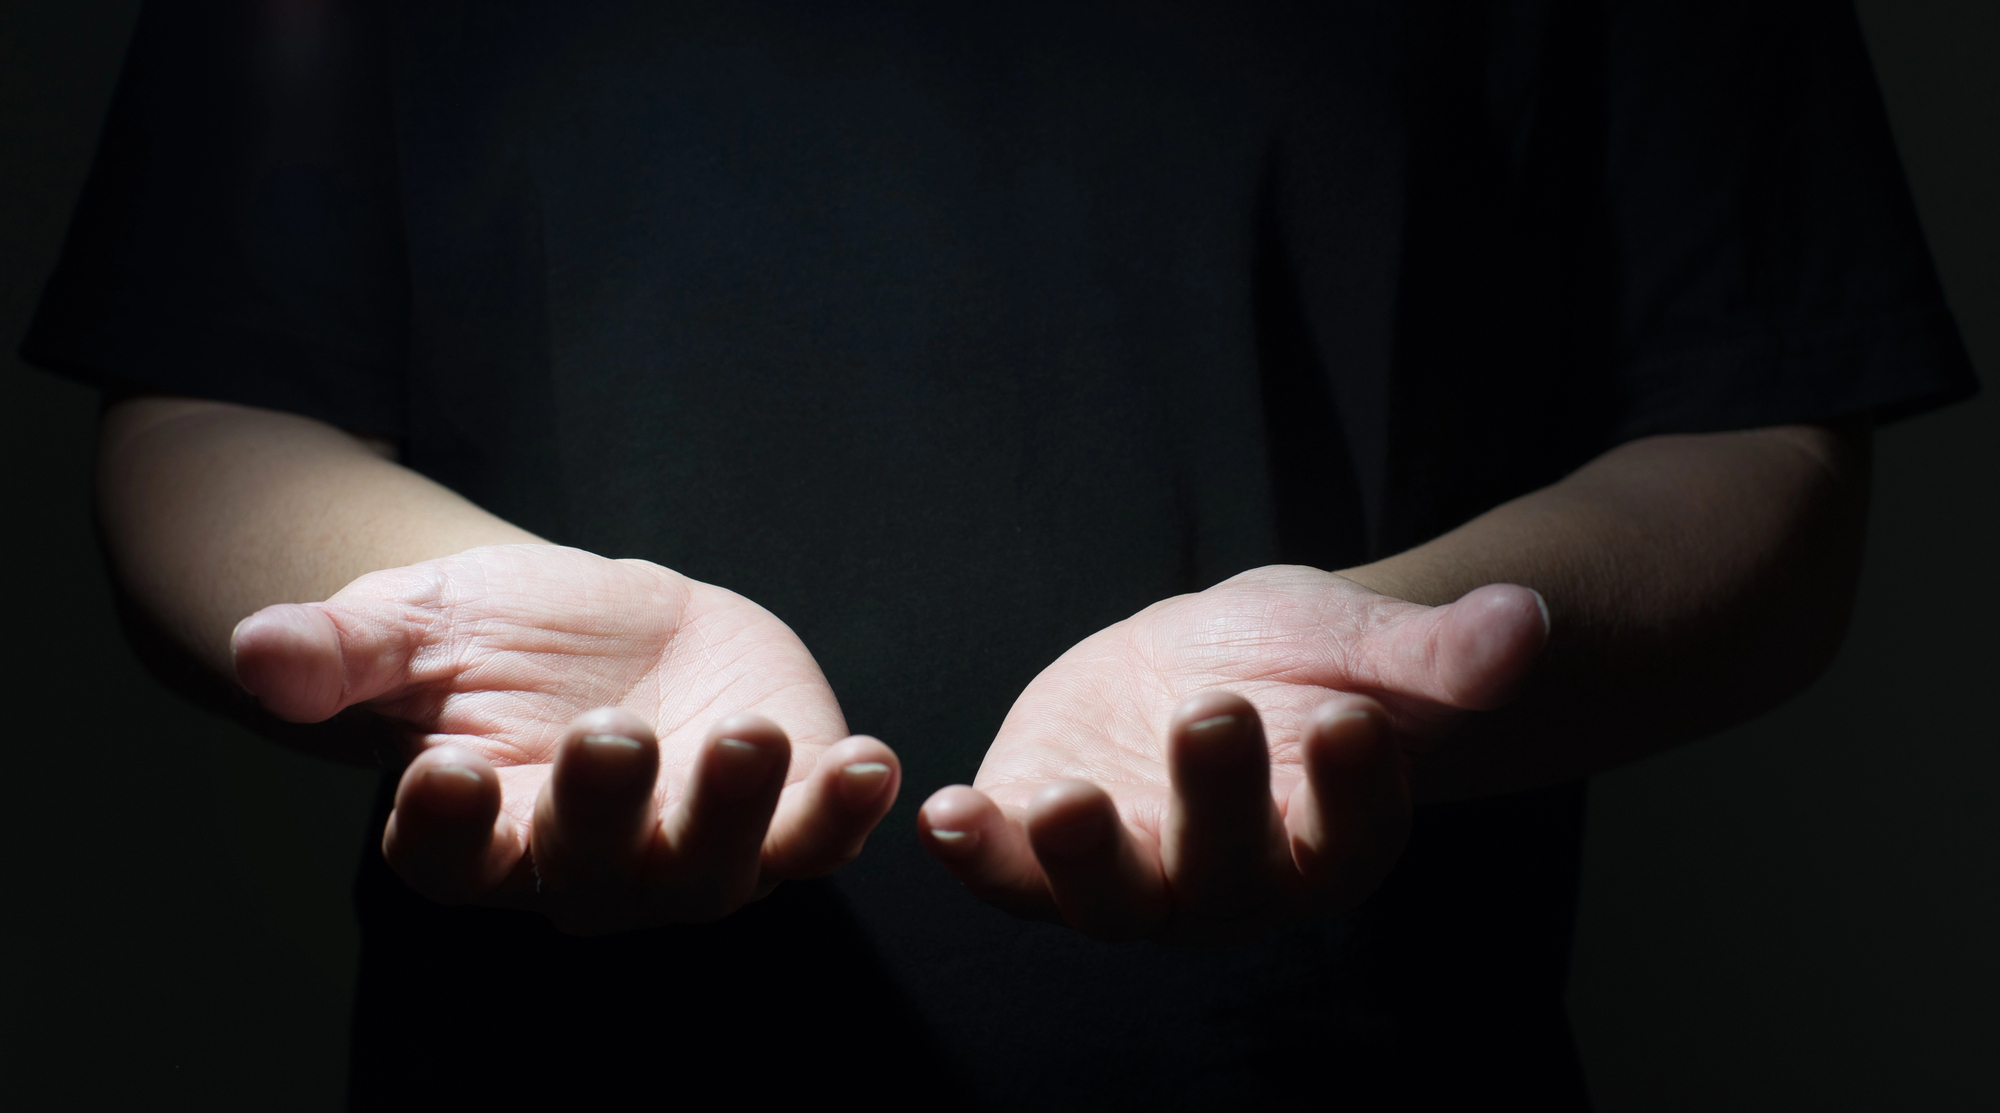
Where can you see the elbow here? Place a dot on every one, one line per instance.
(1798, 617)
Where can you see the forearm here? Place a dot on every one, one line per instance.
(1692, 582)
(212, 511)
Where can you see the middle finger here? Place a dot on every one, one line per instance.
(1223, 845)
(596, 816)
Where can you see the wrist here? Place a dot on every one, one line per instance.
(1389, 577)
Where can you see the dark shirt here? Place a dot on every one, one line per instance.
(952, 334)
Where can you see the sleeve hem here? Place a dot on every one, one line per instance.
(244, 369)
(1888, 367)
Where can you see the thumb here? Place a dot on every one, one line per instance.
(306, 662)
(1471, 654)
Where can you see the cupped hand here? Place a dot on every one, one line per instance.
(606, 741)
(1225, 761)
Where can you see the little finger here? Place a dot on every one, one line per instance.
(822, 821)
(1106, 882)
(986, 850)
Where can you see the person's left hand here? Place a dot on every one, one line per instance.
(1224, 761)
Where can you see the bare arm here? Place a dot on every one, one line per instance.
(551, 764)
(1693, 582)
(213, 511)
(1226, 760)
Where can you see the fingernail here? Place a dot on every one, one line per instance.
(454, 790)
(861, 782)
(738, 769)
(1212, 723)
(958, 842)
(609, 763)
(1346, 740)
(611, 756)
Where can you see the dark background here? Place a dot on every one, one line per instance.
(1801, 914)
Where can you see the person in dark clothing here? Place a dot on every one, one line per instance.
(1251, 460)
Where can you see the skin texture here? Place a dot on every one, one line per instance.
(1693, 582)
(1225, 760)
(1679, 584)
(606, 741)
(617, 745)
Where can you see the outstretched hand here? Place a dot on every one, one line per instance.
(1224, 761)
(606, 741)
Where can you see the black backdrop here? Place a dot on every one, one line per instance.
(1797, 915)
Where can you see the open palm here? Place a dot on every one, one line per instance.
(605, 740)
(1223, 760)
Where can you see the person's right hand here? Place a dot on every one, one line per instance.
(606, 741)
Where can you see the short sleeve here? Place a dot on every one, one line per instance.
(239, 236)
(1771, 264)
